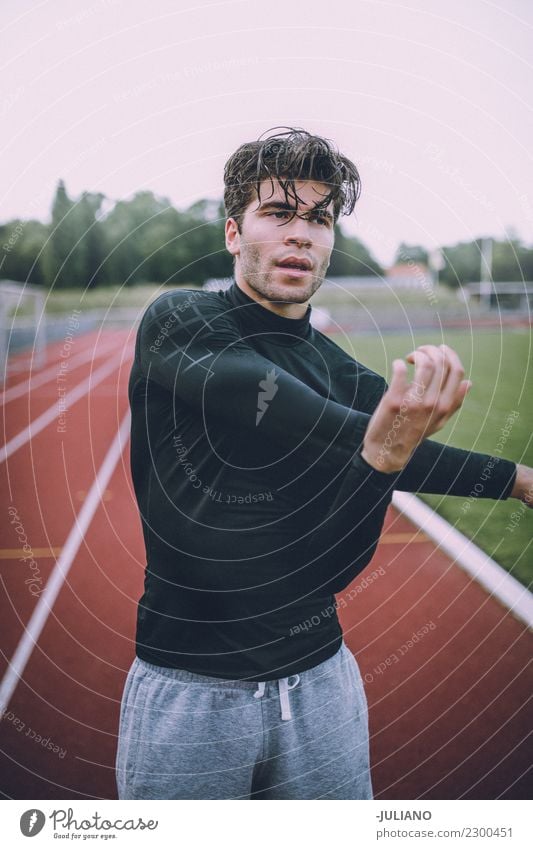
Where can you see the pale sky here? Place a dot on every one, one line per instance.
(431, 100)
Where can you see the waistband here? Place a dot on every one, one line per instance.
(258, 688)
(225, 683)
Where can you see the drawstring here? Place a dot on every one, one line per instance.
(260, 692)
(283, 687)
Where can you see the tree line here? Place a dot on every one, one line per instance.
(511, 262)
(145, 239)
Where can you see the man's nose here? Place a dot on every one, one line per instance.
(298, 232)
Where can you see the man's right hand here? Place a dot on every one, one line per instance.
(411, 412)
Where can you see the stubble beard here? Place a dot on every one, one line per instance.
(262, 280)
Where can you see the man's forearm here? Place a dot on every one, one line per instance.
(445, 470)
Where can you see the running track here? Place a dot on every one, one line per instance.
(450, 716)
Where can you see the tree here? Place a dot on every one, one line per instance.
(92, 246)
(22, 243)
(202, 252)
(75, 247)
(59, 268)
(414, 253)
(511, 261)
(136, 234)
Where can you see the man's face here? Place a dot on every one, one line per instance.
(278, 258)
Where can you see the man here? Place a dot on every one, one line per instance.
(264, 459)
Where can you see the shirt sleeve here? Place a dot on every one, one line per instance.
(444, 470)
(345, 540)
(192, 347)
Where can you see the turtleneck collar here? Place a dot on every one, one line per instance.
(255, 317)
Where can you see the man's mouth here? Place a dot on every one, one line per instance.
(295, 267)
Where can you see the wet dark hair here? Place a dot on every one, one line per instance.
(289, 156)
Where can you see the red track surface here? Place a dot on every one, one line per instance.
(449, 714)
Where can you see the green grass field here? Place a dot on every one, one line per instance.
(500, 367)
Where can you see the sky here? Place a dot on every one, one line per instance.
(431, 100)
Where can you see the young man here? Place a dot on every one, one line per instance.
(264, 459)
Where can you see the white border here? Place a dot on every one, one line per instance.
(492, 577)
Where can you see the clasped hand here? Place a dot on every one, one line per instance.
(411, 411)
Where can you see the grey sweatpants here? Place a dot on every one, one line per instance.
(188, 736)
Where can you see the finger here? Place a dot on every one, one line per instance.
(440, 373)
(424, 374)
(462, 392)
(398, 381)
(449, 394)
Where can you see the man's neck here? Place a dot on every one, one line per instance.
(286, 310)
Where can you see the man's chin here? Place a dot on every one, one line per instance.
(290, 291)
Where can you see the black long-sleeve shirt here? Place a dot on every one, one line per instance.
(256, 505)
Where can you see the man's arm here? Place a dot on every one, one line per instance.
(193, 348)
(440, 469)
(345, 541)
(395, 442)
(190, 345)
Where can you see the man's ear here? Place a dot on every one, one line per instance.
(233, 237)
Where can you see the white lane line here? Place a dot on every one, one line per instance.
(492, 577)
(60, 571)
(53, 412)
(26, 386)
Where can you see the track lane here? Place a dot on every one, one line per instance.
(27, 419)
(22, 369)
(74, 678)
(62, 566)
(37, 378)
(70, 460)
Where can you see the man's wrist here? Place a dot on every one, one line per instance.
(523, 485)
(372, 479)
(384, 460)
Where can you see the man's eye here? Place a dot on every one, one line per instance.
(317, 218)
(321, 219)
(285, 213)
